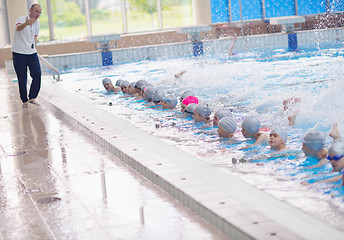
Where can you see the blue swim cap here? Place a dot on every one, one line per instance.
(186, 94)
(158, 95)
(251, 124)
(228, 124)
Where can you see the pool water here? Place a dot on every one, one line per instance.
(248, 83)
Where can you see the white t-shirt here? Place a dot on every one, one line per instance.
(23, 40)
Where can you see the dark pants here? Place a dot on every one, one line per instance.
(21, 62)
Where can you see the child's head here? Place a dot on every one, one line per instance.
(227, 127)
(201, 113)
(169, 102)
(336, 154)
(149, 92)
(124, 86)
(250, 126)
(138, 86)
(190, 108)
(131, 88)
(158, 96)
(221, 114)
(186, 101)
(107, 84)
(278, 138)
(185, 94)
(313, 142)
(119, 82)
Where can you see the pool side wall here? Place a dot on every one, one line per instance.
(314, 39)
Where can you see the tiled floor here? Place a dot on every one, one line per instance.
(55, 183)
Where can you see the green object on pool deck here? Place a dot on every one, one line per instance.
(14, 80)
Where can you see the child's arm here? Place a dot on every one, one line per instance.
(321, 163)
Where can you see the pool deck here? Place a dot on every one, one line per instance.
(234, 207)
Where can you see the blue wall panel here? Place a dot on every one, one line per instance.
(336, 6)
(235, 10)
(279, 8)
(306, 7)
(219, 11)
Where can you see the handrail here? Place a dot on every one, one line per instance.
(51, 67)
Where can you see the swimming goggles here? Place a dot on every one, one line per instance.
(335, 157)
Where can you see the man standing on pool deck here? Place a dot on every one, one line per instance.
(25, 54)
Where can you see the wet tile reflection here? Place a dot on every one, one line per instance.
(55, 183)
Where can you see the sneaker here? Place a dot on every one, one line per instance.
(25, 105)
(33, 101)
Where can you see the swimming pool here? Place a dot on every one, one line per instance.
(255, 82)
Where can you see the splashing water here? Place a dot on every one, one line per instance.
(249, 83)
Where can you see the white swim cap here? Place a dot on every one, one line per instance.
(337, 147)
(228, 124)
(106, 81)
(223, 113)
(314, 139)
(282, 133)
(251, 124)
(203, 110)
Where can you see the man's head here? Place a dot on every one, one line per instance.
(35, 11)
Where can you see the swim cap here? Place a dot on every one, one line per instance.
(203, 110)
(337, 147)
(282, 133)
(124, 84)
(190, 108)
(251, 124)
(146, 85)
(186, 94)
(190, 99)
(171, 101)
(158, 95)
(314, 139)
(140, 83)
(132, 84)
(150, 91)
(223, 113)
(228, 124)
(119, 82)
(106, 81)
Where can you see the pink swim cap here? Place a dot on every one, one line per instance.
(190, 99)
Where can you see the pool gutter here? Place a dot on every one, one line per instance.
(234, 207)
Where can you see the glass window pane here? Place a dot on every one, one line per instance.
(142, 15)
(176, 13)
(279, 8)
(68, 17)
(106, 16)
(43, 21)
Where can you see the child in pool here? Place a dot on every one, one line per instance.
(278, 143)
(313, 144)
(124, 87)
(186, 101)
(202, 114)
(250, 129)
(107, 83)
(219, 114)
(227, 127)
(169, 102)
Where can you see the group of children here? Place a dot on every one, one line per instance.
(223, 119)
